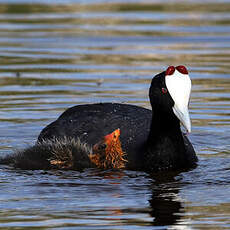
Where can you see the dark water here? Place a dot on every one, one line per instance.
(55, 54)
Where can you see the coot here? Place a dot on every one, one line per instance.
(152, 139)
(108, 153)
(69, 153)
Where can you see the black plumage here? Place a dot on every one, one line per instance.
(152, 140)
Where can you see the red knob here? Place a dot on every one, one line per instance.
(182, 69)
(170, 70)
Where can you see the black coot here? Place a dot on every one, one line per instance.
(152, 140)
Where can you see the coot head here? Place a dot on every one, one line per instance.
(106, 142)
(169, 95)
(108, 152)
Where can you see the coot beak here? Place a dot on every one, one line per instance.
(183, 115)
(179, 87)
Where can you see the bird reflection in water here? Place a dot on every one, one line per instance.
(165, 203)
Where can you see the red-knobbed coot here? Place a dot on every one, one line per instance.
(70, 153)
(152, 140)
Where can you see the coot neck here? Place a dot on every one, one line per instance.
(165, 145)
(164, 124)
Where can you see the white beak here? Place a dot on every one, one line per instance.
(179, 87)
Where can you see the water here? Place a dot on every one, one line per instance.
(56, 54)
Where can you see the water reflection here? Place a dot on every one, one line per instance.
(166, 205)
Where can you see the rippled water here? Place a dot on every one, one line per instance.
(55, 55)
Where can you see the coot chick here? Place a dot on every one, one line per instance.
(152, 139)
(108, 152)
(70, 153)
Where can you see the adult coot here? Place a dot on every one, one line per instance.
(70, 153)
(152, 140)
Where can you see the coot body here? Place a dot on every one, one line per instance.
(90, 122)
(152, 139)
(56, 153)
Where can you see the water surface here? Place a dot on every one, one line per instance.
(55, 55)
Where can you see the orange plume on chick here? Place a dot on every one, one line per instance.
(108, 152)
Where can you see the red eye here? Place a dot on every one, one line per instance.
(164, 90)
(170, 70)
(182, 69)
